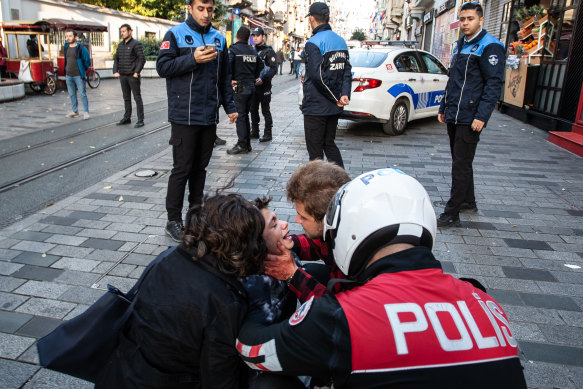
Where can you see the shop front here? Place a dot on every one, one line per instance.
(446, 30)
(544, 66)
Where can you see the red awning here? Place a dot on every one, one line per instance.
(258, 23)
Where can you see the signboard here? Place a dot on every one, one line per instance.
(236, 11)
(515, 85)
(427, 17)
(236, 26)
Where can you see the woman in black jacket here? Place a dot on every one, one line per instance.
(190, 307)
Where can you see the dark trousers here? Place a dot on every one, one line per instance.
(263, 98)
(462, 143)
(320, 132)
(192, 147)
(280, 67)
(131, 85)
(291, 67)
(297, 68)
(243, 104)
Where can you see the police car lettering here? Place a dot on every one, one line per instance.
(367, 178)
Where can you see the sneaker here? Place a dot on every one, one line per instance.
(72, 115)
(472, 207)
(220, 142)
(174, 229)
(446, 220)
(86, 115)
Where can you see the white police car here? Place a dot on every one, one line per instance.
(393, 83)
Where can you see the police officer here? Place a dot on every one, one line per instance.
(327, 83)
(475, 80)
(262, 95)
(246, 67)
(401, 322)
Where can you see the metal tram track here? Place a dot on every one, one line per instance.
(23, 180)
(63, 138)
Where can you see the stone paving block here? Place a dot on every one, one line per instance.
(81, 295)
(506, 297)
(62, 221)
(122, 270)
(38, 327)
(528, 274)
(11, 346)
(570, 277)
(138, 259)
(75, 264)
(37, 259)
(75, 277)
(49, 379)
(547, 375)
(37, 247)
(522, 331)
(561, 289)
(462, 248)
(79, 309)
(66, 240)
(137, 272)
(122, 283)
(38, 273)
(11, 301)
(471, 269)
(94, 233)
(549, 301)
(128, 246)
(31, 235)
(102, 244)
(86, 215)
(65, 230)
(129, 237)
(574, 319)
(7, 242)
(107, 255)
(533, 315)
(9, 268)
(551, 353)
(71, 251)
(527, 244)
(511, 284)
(95, 224)
(127, 227)
(42, 289)
(19, 373)
(11, 321)
(30, 355)
(562, 334)
(45, 307)
(8, 284)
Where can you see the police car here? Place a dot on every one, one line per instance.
(393, 83)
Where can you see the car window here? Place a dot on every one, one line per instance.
(432, 64)
(366, 59)
(407, 63)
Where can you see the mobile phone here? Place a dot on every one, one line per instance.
(210, 47)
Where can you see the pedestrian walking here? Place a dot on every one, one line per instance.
(246, 67)
(326, 85)
(262, 95)
(292, 54)
(194, 60)
(128, 63)
(475, 80)
(297, 61)
(77, 61)
(279, 60)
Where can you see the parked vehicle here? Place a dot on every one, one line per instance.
(393, 83)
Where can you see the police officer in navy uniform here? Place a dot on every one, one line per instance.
(246, 67)
(262, 94)
(194, 60)
(327, 83)
(399, 321)
(475, 80)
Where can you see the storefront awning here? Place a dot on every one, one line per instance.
(258, 23)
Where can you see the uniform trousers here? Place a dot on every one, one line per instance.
(462, 143)
(192, 148)
(243, 104)
(262, 98)
(130, 85)
(320, 132)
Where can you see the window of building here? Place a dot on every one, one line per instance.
(505, 22)
(150, 35)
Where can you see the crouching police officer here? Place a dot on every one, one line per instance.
(246, 67)
(399, 320)
(262, 95)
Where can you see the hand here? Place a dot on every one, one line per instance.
(441, 118)
(282, 266)
(343, 101)
(233, 117)
(259, 81)
(234, 84)
(116, 75)
(202, 56)
(477, 125)
(136, 75)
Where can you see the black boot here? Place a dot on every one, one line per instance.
(254, 133)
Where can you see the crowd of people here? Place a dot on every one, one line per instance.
(357, 300)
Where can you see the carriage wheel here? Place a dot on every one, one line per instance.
(50, 86)
(93, 79)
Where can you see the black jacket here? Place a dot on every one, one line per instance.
(183, 329)
(267, 55)
(400, 326)
(195, 90)
(328, 72)
(129, 58)
(475, 80)
(246, 65)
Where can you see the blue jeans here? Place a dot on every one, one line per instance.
(74, 84)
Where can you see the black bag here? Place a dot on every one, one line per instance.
(81, 346)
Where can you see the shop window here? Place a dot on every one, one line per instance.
(150, 35)
(97, 39)
(505, 22)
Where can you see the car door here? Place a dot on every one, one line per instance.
(407, 80)
(434, 79)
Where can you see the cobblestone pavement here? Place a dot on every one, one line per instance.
(525, 244)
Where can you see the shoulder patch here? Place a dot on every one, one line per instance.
(493, 59)
(165, 45)
(218, 43)
(301, 313)
(475, 48)
(188, 39)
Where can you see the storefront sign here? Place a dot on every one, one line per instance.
(427, 17)
(418, 31)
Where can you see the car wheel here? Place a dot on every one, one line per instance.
(397, 124)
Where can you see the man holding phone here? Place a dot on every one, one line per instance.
(194, 60)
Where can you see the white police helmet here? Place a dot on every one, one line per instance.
(377, 208)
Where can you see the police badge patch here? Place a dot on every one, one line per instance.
(493, 59)
(301, 313)
(188, 39)
(272, 59)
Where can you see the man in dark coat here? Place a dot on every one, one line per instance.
(262, 96)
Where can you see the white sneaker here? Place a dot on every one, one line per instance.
(86, 115)
(72, 115)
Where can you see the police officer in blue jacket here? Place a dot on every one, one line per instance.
(262, 94)
(194, 60)
(327, 84)
(246, 67)
(475, 81)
